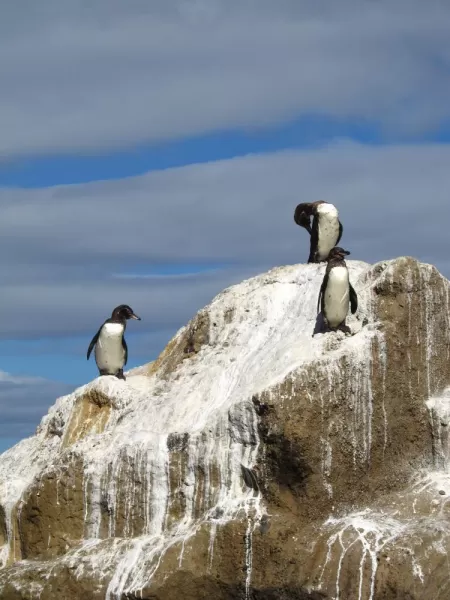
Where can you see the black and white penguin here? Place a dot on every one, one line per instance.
(326, 230)
(336, 291)
(111, 351)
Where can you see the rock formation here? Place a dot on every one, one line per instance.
(251, 460)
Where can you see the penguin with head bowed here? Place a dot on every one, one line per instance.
(326, 230)
(336, 292)
(111, 351)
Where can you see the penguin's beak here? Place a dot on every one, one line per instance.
(346, 252)
(133, 316)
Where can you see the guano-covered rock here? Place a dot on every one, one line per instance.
(251, 460)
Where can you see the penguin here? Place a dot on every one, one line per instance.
(111, 351)
(326, 230)
(336, 292)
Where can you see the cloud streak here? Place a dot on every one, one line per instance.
(104, 75)
(62, 248)
(87, 76)
(23, 401)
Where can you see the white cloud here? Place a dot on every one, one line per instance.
(108, 73)
(23, 401)
(62, 308)
(61, 248)
(15, 380)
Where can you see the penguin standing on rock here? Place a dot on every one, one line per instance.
(326, 230)
(111, 351)
(336, 292)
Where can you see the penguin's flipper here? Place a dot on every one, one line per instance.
(341, 229)
(353, 299)
(93, 342)
(321, 298)
(125, 347)
(314, 241)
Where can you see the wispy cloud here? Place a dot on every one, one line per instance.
(106, 73)
(60, 247)
(23, 401)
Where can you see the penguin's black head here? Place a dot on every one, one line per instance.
(302, 215)
(337, 253)
(124, 312)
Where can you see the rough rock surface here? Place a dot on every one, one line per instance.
(251, 460)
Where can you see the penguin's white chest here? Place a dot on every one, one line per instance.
(328, 229)
(337, 296)
(109, 351)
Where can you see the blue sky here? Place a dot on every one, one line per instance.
(304, 132)
(154, 156)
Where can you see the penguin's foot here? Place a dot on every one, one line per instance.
(120, 375)
(345, 329)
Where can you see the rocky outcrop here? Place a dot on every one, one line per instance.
(252, 459)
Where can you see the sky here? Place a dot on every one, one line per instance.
(153, 153)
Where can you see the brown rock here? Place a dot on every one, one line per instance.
(339, 439)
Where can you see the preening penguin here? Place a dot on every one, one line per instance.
(336, 291)
(111, 351)
(326, 230)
